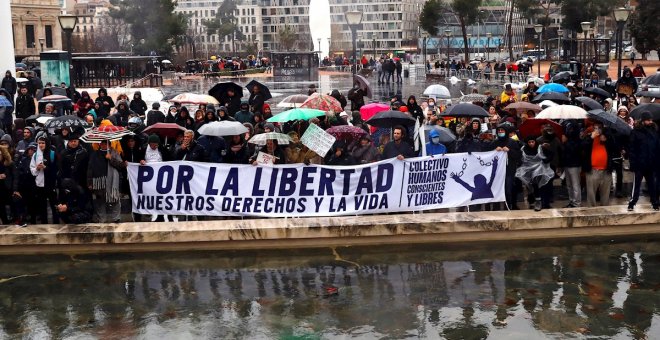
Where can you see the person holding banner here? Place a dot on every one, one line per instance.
(398, 147)
(365, 152)
(338, 155)
(514, 157)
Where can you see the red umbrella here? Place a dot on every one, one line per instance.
(532, 127)
(170, 130)
(369, 110)
(322, 102)
(346, 132)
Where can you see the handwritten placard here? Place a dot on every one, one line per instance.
(264, 158)
(317, 140)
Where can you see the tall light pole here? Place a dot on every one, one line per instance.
(424, 37)
(68, 24)
(353, 19)
(585, 25)
(621, 15)
(469, 37)
(488, 36)
(538, 28)
(560, 47)
(448, 35)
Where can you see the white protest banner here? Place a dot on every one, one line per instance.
(264, 158)
(206, 189)
(317, 140)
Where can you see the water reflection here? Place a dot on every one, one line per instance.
(597, 290)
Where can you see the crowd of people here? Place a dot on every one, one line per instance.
(80, 182)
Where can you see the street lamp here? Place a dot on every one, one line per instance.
(424, 37)
(621, 16)
(469, 37)
(448, 35)
(585, 25)
(488, 36)
(538, 28)
(353, 19)
(560, 47)
(41, 42)
(68, 23)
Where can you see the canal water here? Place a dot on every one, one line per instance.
(603, 290)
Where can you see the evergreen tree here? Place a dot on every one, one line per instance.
(153, 25)
(641, 23)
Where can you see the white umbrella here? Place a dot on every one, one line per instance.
(193, 98)
(261, 138)
(438, 91)
(563, 112)
(292, 101)
(22, 80)
(165, 62)
(222, 128)
(42, 119)
(536, 80)
(547, 103)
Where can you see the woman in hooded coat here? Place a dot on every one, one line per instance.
(138, 105)
(84, 104)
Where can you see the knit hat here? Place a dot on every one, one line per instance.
(32, 145)
(154, 139)
(269, 126)
(41, 135)
(6, 138)
(622, 107)
(646, 115)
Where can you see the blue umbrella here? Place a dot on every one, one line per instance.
(4, 102)
(553, 87)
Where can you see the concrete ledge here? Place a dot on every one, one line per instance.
(331, 231)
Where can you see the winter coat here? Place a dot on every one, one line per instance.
(155, 116)
(644, 148)
(193, 153)
(73, 164)
(138, 105)
(9, 84)
(214, 147)
(587, 147)
(25, 106)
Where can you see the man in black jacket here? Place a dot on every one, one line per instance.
(155, 115)
(25, 104)
(643, 152)
(514, 155)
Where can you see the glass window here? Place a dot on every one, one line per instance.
(29, 36)
(49, 36)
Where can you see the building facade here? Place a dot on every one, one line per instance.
(36, 27)
(248, 17)
(387, 26)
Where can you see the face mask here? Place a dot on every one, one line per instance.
(501, 135)
(435, 140)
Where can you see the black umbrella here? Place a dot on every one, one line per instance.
(562, 77)
(68, 121)
(364, 84)
(262, 88)
(466, 110)
(650, 94)
(610, 120)
(652, 80)
(589, 103)
(390, 118)
(55, 90)
(220, 89)
(551, 96)
(653, 108)
(30, 120)
(597, 91)
(446, 136)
